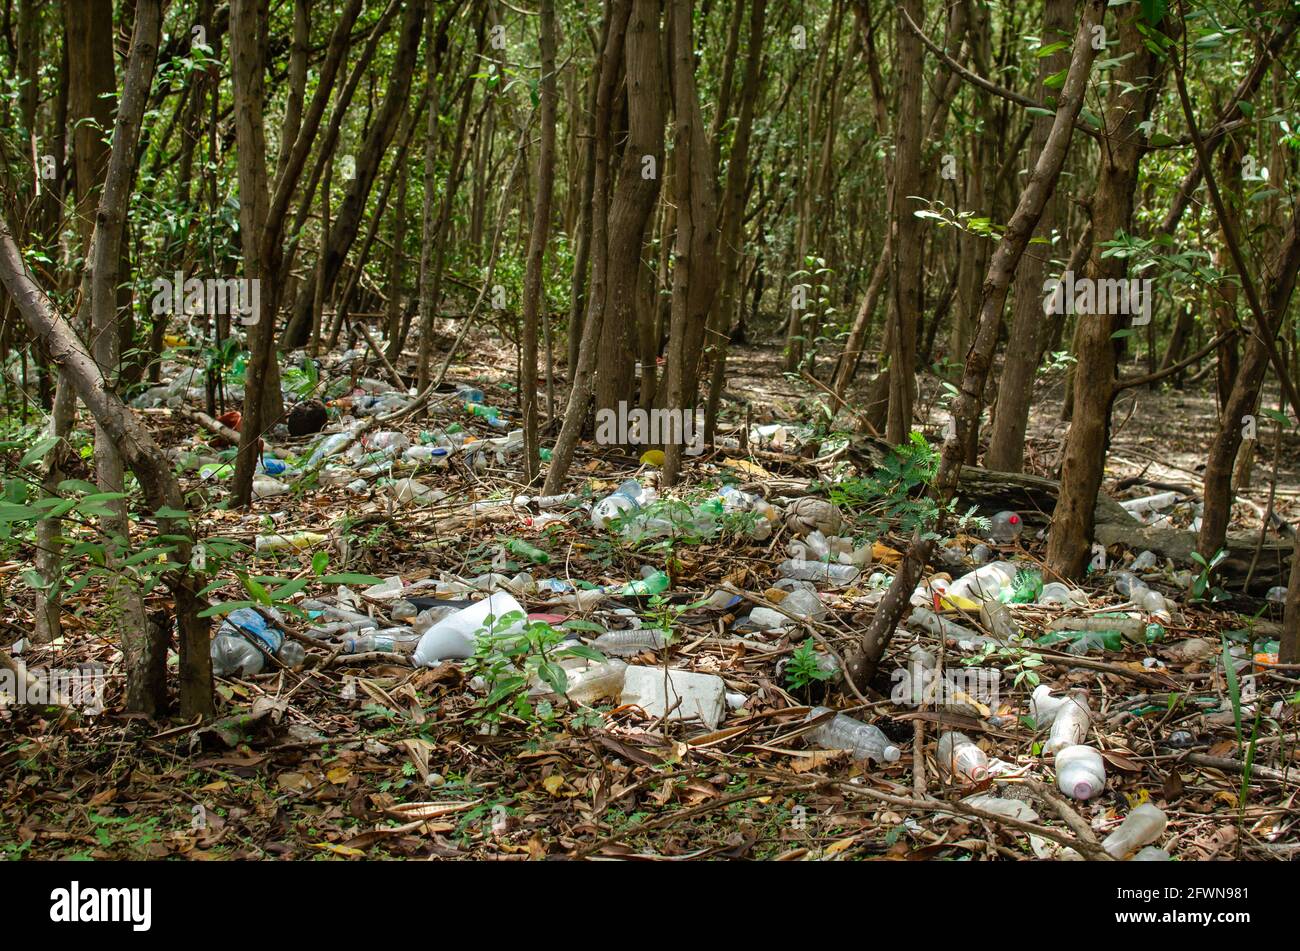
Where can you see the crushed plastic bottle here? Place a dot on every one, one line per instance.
(1005, 527)
(820, 571)
(627, 643)
(800, 604)
(295, 540)
(1070, 725)
(234, 654)
(841, 732)
(526, 552)
(1145, 561)
(986, 583)
(627, 499)
(1043, 707)
(598, 682)
(961, 758)
(1080, 772)
(1140, 827)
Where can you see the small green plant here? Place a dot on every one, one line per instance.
(510, 653)
(803, 670)
(1202, 583)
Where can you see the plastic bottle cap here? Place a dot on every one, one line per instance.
(978, 774)
(1084, 790)
(892, 754)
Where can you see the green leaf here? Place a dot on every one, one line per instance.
(319, 562)
(349, 578)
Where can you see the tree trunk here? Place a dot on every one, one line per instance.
(631, 205)
(534, 286)
(614, 29)
(1028, 333)
(1132, 95)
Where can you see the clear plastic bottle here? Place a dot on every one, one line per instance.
(960, 757)
(1070, 725)
(1141, 827)
(1150, 854)
(843, 732)
(598, 682)
(233, 652)
(1080, 772)
(630, 642)
(365, 643)
(627, 498)
(986, 582)
(1005, 527)
(819, 571)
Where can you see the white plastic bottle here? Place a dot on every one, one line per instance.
(842, 732)
(960, 757)
(1080, 772)
(1070, 726)
(1043, 706)
(1141, 827)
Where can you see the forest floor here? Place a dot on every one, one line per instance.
(366, 756)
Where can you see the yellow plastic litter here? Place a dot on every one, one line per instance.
(652, 457)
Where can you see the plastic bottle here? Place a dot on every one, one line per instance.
(1005, 527)
(650, 582)
(598, 682)
(1277, 595)
(1141, 827)
(523, 550)
(364, 643)
(1070, 725)
(1080, 772)
(960, 757)
(1043, 707)
(296, 540)
(233, 651)
(625, 499)
(822, 571)
(630, 642)
(469, 393)
(985, 583)
(842, 732)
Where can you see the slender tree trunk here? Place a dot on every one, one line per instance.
(1132, 95)
(617, 13)
(534, 285)
(1028, 333)
(632, 202)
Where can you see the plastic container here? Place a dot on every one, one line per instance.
(961, 758)
(233, 651)
(841, 732)
(820, 571)
(295, 540)
(454, 637)
(599, 682)
(1070, 726)
(1080, 772)
(526, 552)
(1005, 527)
(801, 604)
(1141, 827)
(624, 500)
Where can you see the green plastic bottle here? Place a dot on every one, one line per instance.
(657, 583)
(521, 549)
